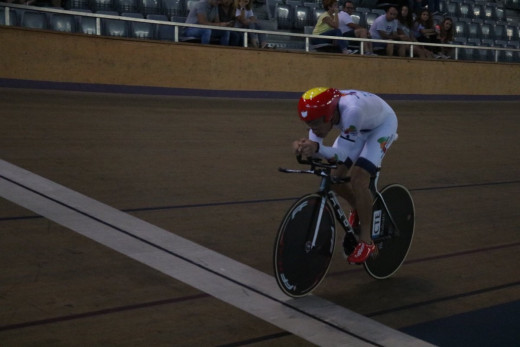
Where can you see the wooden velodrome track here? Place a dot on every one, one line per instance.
(206, 169)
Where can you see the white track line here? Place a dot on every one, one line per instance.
(312, 318)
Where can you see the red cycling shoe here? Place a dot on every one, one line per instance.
(353, 219)
(361, 253)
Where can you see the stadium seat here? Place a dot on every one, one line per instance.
(294, 3)
(62, 22)
(77, 4)
(128, 6)
(149, 6)
(34, 20)
(102, 5)
(369, 3)
(302, 17)
(175, 7)
(370, 18)
(490, 12)
(486, 31)
(139, 30)
(477, 11)
(470, 53)
(500, 32)
(512, 33)
(500, 14)
(464, 10)
(359, 18)
(162, 32)
(85, 25)
(13, 18)
(461, 29)
(284, 16)
(474, 30)
(452, 8)
(113, 27)
(486, 54)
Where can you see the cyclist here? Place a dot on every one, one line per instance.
(368, 126)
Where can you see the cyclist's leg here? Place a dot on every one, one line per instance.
(345, 190)
(377, 143)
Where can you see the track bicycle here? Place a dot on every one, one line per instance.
(306, 237)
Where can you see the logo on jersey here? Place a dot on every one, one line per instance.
(304, 114)
(383, 142)
(349, 133)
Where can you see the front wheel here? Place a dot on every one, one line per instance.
(393, 240)
(301, 258)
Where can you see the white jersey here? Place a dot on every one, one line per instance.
(364, 118)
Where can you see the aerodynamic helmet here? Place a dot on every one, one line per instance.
(318, 102)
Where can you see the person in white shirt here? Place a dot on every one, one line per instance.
(385, 28)
(350, 29)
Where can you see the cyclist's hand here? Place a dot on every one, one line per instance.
(305, 147)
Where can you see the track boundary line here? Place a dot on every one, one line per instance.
(311, 318)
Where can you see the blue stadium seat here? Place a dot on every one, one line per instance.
(86, 25)
(284, 15)
(486, 54)
(464, 10)
(359, 18)
(370, 18)
(113, 27)
(77, 4)
(461, 29)
(102, 5)
(512, 33)
(139, 30)
(175, 7)
(162, 32)
(303, 17)
(149, 7)
(34, 20)
(452, 8)
(486, 31)
(500, 31)
(62, 22)
(490, 12)
(474, 30)
(128, 6)
(13, 18)
(477, 11)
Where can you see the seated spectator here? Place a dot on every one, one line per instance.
(205, 12)
(226, 12)
(328, 25)
(350, 29)
(446, 33)
(424, 29)
(405, 30)
(246, 19)
(385, 28)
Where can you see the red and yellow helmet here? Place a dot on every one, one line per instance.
(318, 102)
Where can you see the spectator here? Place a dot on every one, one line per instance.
(226, 12)
(405, 30)
(205, 12)
(425, 30)
(350, 29)
(328, 25)
(446, 33)
(246, 19)
(385, 28)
